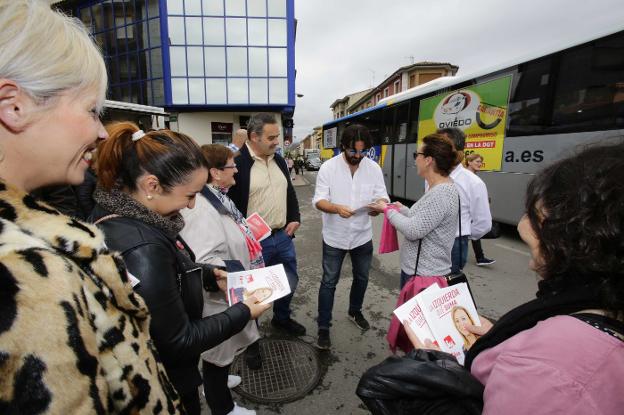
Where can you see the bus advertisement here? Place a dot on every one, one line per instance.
(520, 116)
(480, 111)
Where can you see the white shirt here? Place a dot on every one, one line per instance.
(335, 184)
(476, 219)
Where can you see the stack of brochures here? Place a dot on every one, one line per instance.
(439, 315)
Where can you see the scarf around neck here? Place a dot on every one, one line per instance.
(551, 301)
(120, 203)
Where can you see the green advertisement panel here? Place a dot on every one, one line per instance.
(480, 111)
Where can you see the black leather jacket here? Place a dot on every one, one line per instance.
(180, 334)
(426, 382)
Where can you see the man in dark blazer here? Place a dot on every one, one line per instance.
(263, 185)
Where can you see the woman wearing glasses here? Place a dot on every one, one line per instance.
(218, 234)
(429, 227)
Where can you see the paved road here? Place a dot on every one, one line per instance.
(497, 289)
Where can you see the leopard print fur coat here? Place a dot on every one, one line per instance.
(74, 337)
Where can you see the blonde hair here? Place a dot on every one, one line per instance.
(47, 52)
(453, 311)
(472, 157)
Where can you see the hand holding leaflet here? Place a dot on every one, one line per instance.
(448, 311)
(265, 284)
(365, 208)
(411, 313)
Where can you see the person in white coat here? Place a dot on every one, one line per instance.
(476, 219)
(344, 186)
(218, 234)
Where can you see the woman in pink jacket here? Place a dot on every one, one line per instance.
(564, 351)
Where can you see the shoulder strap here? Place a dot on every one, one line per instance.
(105, 218)
(214, 201)
(460, 228)
(417, 257)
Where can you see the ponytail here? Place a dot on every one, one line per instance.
(168, 155)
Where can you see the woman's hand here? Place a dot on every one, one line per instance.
(221, 278)
(378, 206)
(255, 308)
(416, 341)
(485, 326)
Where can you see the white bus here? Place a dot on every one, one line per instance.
(556, 100)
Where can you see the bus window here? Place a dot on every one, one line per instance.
(413, 122)
(374, 122)
(387, 132)
(529, 106)
(591, 96)
(400, 124)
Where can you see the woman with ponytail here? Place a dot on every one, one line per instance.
(429, 227)
(144, 180)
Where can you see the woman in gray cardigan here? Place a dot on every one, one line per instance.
(430, 224)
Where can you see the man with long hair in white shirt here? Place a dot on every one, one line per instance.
(344, 185)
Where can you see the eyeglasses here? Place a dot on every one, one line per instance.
(417, 153)
(362, 153)
(228, 166)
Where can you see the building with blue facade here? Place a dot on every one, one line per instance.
(209, 63)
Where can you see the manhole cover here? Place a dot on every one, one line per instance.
(290, 369)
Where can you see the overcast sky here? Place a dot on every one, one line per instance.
(345, 46)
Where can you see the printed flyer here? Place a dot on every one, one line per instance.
(446, 311)
(266, 284)
(411, 312)
(258, 226)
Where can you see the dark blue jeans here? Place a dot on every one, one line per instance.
(361, 258)
(457, 263)
(280, 249)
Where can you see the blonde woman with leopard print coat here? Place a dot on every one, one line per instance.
(74, 337)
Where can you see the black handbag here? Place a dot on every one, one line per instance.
(494, 232)
(190, 277)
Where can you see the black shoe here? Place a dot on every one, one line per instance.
(323, 342)
(290, 326)
(485, 261)
(359, 320)
(253, 358)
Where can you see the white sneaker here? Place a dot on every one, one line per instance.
(239, 410)
(233, 381)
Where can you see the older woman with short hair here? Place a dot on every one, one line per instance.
(73, 334)
(219, 235)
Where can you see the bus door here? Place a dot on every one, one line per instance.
(400, 155)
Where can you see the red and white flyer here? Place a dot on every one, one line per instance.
(446, 311)
(258, 226)
(411, 312)
(266, 284)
